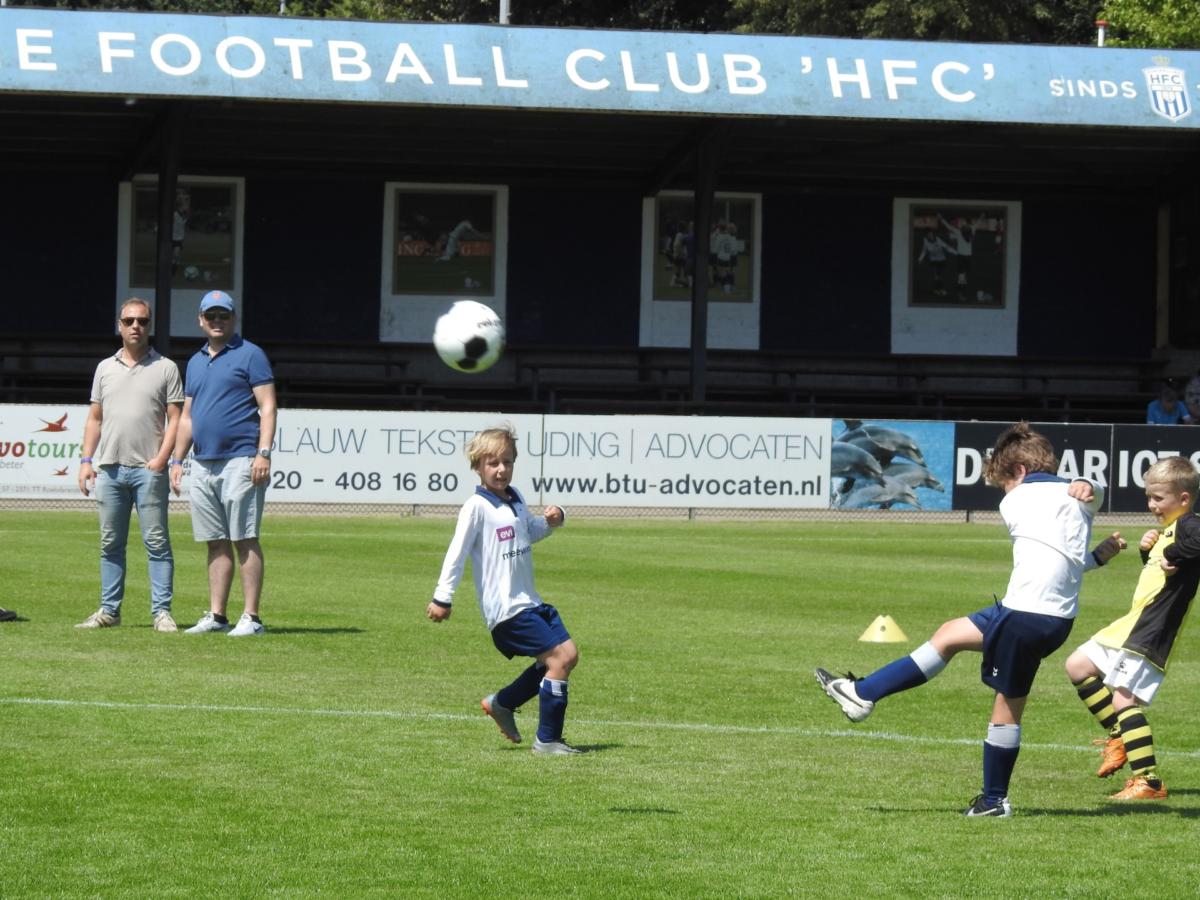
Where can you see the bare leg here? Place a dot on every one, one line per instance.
(250, 558)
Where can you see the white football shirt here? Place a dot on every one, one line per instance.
(498, 535)
(1051, 534)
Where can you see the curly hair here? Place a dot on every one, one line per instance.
(1020, 446)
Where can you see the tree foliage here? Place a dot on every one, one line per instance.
(1153, 23)
(1018, 21)
(1139, 23)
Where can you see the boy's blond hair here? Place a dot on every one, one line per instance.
(491, 442)
(1177, 474)
(1020, 445)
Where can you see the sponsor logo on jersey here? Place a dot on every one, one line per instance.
(507, 533)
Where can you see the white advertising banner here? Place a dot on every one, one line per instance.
(328, 456)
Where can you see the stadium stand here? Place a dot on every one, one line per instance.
(325, 375)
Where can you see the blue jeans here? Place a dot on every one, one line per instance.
(118, 490)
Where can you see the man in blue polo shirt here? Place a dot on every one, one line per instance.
(229, 422)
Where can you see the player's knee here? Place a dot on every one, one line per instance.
(570, 657)
(1078, 666)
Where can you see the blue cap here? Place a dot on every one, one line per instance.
(216, 300)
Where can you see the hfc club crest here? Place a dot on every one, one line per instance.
(1168, 91)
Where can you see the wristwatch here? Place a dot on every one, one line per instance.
(265, 452)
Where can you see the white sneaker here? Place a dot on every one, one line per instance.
(164, 622)
(101, 618)
(247, 626)
(206, 624)
(841, 691)
(553, 748)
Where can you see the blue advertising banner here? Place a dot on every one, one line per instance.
(887, 464)
(175, 55)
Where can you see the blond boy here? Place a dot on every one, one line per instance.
(1119, 670)
(497, 531)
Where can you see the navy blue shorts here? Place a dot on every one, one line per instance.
(530, 632)
(1014, 645)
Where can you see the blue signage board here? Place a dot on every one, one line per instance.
(176, 55)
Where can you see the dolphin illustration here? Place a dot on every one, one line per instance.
(849, 461)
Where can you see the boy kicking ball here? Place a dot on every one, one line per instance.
(1118, 672)
(497, 530)
(1050, 522)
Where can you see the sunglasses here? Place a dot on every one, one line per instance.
(128, 321)
(218, 316)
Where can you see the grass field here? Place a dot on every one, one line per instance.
(344, 754)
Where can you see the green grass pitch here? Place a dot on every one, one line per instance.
(343, 754)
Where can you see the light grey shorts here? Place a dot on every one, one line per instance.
(226, 504)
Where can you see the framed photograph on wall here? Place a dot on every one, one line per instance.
(669, 252)
(957, 255)
(956, 276)
(206, 243)
(730, 247)
(441, 243)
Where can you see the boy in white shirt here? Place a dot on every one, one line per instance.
(497, 531)
(1049, 520)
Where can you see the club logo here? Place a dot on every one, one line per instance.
(507, 533)
(1168, 90)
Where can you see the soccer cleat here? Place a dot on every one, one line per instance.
(7, 615)
(841, 691)
(164, 622)
(206, 624)
(553, 748)
(247, 627)
(981, 806)
(1112, 756)
(502, 717)
(101, 618)
(1140, 788)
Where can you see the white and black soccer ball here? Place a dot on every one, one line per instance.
(469, 337)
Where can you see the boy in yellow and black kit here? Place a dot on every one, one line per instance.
(1119, 670)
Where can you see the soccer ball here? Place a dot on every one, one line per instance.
(469, 336)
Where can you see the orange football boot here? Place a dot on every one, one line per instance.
(1113, 756)
(1140, 788)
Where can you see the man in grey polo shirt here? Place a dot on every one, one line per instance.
(130, 431)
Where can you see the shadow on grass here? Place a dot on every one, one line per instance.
(271, 630)
(1119, 808)
(1115, 808)
(643, 810)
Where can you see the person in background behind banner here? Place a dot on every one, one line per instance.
(1168, 409)
(229, 414)
(1191, 398)
(127, 440)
